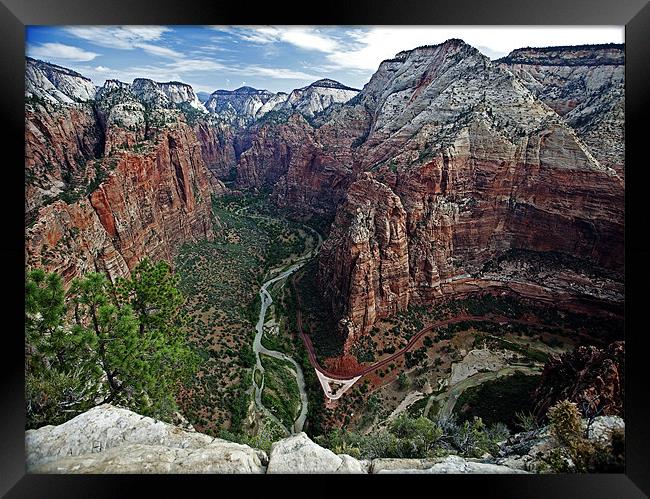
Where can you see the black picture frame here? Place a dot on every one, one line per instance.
(634, 14)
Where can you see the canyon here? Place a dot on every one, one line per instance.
(442, 166)
(455, 215)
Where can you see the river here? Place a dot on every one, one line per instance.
(265, 302)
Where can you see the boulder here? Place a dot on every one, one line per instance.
(449, 465)
(298, 454)
(108, 439)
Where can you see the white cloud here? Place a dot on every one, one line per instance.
(279, 73)
(62, 52)
(121, 37)
(309, 39)
(376, 44)
(302, 37)
(126, 38)
(161, 51)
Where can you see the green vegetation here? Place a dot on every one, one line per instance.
(280, 394)
(192, 115)
(100, 176)
(501, 343)
(498, 400)
(222, 277)
(574, 453)
(403, 381)
(122, 343)
(409, 437)
(266, 433)
(364, 349)
(318, 320)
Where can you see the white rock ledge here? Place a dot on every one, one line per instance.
(108, 439)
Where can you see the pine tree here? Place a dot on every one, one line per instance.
(61, 376)
(122, 343)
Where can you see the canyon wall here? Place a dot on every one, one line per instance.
(443, 163)
(585, 85)
(144, 192)
(480, 166)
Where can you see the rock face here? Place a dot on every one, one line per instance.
(56, 84)
(531, 451)
(449, 465)
(445, 162)
(298, 454)
(585, 85)
(163, 94)
(375, 232)
(59, 143)
(130, 179)
(309, 167)
(149, 204)
(591, 377)
(318, 97)
(480, 167)
(108, 439)
(245, 105)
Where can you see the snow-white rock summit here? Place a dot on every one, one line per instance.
(166, 93)
(245, 105)
(318, 96)
(56, 84)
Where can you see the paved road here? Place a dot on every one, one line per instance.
(411, 343)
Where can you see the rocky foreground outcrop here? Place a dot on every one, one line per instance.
(108, 439)
(592, 377)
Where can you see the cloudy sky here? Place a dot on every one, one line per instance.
(277, 58)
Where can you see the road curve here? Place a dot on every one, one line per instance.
(378, 365)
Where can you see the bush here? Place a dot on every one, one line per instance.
(403, 381)
(419, 437)
(574, 452)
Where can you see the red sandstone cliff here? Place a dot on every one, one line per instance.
(145, 197)
(472, 165)
(444, 162)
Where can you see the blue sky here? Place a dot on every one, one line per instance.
(277, 58)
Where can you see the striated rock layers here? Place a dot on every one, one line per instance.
(147, 193)
(585, 85)
(308, 167)
(461, 163)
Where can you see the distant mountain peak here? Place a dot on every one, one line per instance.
(60, 69)
(246, 89)
(329, 83)
(604, 54)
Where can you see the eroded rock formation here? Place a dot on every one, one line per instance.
(592, 377)
(480, 166)
(130, 179)
(585, 85)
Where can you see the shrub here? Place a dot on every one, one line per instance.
(574, 452)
